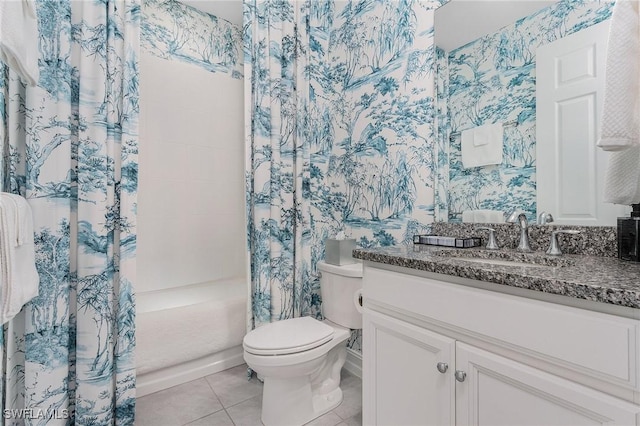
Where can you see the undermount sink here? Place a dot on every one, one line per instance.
(506, 258)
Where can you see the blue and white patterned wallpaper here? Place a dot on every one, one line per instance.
(492, 80)
(349, 88)
(172, 30)
(371, 121)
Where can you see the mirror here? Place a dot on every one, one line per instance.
(486, 74)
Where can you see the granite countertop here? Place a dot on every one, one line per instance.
(595, 278)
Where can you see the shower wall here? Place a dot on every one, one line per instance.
(191, 215)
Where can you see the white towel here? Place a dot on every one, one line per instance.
(482, 145)
(620, 126)
(19, 280)
(620, 114)
(622, 181)
(19, 38)
(482, 216)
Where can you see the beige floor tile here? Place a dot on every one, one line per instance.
(329, 419)
(232, 387)
(351, 396)
(247, 413)
(177, 405)
(354, 421)
(200, 403)
(221, 418)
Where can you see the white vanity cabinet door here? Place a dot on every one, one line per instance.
(403, 385)
(498, 391)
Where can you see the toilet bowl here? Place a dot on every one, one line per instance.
(300, 359)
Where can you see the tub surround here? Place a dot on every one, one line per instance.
(173, 348)
(595, 278)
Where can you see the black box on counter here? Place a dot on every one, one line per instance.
(629, 235)
(629, 238)
(439, 240)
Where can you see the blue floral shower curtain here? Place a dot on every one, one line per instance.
(278, 161)
(70, 147)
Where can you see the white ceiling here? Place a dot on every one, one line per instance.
(459, 22)
(231, 10)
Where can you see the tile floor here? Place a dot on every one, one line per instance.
(228, 399)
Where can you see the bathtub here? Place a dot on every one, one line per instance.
(189, 332)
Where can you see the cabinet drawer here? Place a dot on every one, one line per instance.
(591, 343)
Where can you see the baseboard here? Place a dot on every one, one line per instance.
(353, 364)
(176, 375)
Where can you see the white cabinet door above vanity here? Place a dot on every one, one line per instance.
(510, 359)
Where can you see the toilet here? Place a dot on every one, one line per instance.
(300, 358)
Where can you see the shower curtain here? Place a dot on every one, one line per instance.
(278, 161)
(70, 147)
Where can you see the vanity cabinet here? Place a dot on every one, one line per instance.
(398, 384)
(442, 353)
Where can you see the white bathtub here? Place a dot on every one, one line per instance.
(189, 332)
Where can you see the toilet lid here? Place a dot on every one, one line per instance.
(288, 336)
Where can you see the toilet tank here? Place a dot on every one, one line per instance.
(338, 285)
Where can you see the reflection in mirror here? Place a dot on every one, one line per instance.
(491, 80)
(570, 168)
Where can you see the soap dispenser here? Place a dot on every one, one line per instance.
(629, 235)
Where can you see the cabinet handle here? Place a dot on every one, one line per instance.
(442, 367)
(460, 375)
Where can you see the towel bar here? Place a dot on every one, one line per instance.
(511, 123)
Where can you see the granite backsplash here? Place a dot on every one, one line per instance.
(591, 241)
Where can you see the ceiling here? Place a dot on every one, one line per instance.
(231, 10)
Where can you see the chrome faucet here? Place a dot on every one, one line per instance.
(544, 218)
(554, 247)
(520, 218)
(492, 243)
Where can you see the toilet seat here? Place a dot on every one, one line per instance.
(288, 337)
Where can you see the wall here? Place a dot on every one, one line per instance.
(493, 80)
(173, 31)
(191, 199)
(371, 108)
(371, 112)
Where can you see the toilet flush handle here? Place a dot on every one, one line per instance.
(357, 300)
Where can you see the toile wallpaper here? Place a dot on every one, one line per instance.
(372, 113)
(172, 30)
(340, 137)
